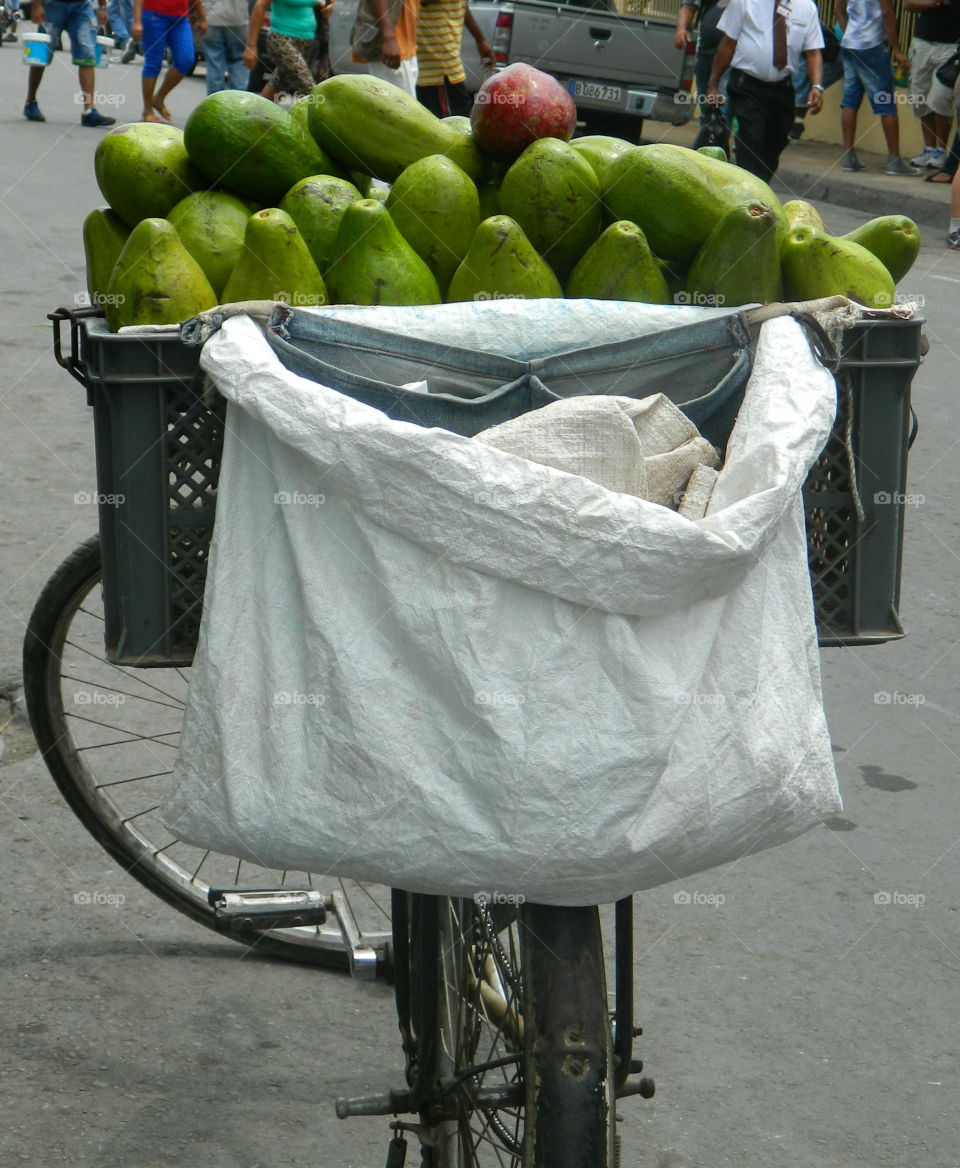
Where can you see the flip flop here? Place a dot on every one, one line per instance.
(938, 176)
(163, 112)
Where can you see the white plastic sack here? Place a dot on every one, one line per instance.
(427, 662)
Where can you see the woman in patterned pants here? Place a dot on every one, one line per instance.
(290, 44)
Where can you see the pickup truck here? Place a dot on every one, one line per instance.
(619, 69)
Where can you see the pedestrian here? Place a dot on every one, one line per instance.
(384, 38)
(78, 19)
(441, 77)
(935, 37)
(869, 40)
(708, 38)
(16, 14)
(159, 25)
(289, 44)
(120, 15)
(762, 45)
(832, 73)
(223, 44)
(953, 235)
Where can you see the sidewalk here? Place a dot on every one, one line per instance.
(811, 170)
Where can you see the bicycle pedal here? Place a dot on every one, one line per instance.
(266, 908)
(397, 1152)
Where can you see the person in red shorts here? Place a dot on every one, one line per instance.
(160, 25)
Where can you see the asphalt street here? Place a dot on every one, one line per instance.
(799, 1007)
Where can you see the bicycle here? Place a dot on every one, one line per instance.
(512, 1056)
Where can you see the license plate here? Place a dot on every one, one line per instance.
(596, 91)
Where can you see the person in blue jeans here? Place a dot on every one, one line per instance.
(708, 39)
(79, 21)
(869, 39)
(120, 15)
(160, 25)
(223, 45)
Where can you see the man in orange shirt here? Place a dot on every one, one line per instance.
(397, 59)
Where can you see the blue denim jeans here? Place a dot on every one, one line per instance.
(120, 15)
(702, 367)
(79, 22)
(223, 47)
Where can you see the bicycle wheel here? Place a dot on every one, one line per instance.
(109, 736)
(509, 1043)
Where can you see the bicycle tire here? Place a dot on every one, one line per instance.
(93, 761)
(509, 1043)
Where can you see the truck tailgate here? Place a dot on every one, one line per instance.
(593, 43)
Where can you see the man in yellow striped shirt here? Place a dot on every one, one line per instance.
(441, 76)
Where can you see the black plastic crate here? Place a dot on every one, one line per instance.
(158, 448)
(855, 555)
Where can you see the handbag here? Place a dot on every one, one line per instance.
(713, 131)
(949, 71)
(366, 39)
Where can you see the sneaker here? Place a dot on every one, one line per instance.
(852, 162)
(796, 129)
(937, 158)
(899, 166)
(924, 158)
(92, 117)
(953, 240)
(31, 111)
(10, 38)
(129, 52)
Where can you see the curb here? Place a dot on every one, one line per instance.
(930, 212)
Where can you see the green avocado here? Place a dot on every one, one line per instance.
(436, 208)
(211, 226)
(143, 170)
(246, 144)
(275, 264)
(739, 263)
(552, 192)
(374, 264)
(502, 264)
(104, 234)
(816, 264)
(156, 280)
(316, 205)
(893, 239)
(619, 266)
(372, 126)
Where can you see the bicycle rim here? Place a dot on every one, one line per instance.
(109, 736)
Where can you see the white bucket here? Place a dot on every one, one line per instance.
(36, 48)
(104, 46)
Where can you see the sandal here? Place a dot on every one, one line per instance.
(163, 112)
(938, 176)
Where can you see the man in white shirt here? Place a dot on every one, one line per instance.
(762, 44)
